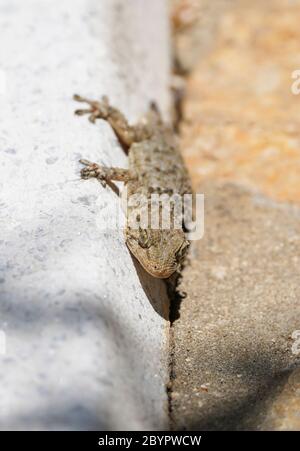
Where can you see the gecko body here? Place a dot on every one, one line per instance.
(155, 167)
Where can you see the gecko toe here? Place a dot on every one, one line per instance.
(87, 173)
(82, 112)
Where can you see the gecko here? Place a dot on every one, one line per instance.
(155, 165)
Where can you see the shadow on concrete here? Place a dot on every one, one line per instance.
(262, 382)
(155, 290)
(163, 294)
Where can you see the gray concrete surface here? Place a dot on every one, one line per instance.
(85, 328)
(236, 353)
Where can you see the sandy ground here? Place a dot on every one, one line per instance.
(233, 340)
(241, 118)
(235, 357)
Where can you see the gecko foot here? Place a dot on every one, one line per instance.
(93, 170)
(97, 110)
(105, 174)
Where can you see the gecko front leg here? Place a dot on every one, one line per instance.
(105, 174)
(127, 134)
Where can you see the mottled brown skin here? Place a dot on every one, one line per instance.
(155, 166)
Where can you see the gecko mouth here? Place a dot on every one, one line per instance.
(155, 269)
(159, 268)
(159, 272)
(163, 274)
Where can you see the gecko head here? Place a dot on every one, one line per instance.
(160, 252)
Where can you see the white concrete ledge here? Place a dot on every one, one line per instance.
(86, 329)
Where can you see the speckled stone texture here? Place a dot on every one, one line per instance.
(195, 25)
(241, 117)
(235, 362)
(86, 328)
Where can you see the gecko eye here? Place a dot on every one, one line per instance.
(182, 251)
(144, 238)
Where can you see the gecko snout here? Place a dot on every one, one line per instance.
(160, 252)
